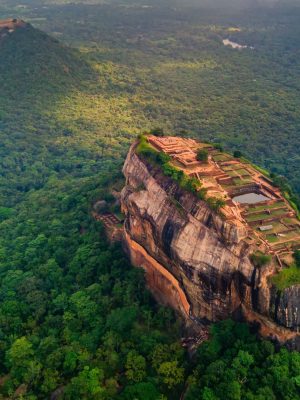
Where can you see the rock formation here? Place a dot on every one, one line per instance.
(197, 261)
(8, 26)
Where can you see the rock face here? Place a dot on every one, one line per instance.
(195, 260)
(288, 311)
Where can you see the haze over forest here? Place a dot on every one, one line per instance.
(77, 86)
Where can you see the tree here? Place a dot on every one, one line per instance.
(171, 374)
(70, 363)
(219, 147)
(86, 385)
(141, 391)
(241, 364)
(208, 394)
(231, 390)
(297, 258)
(202, 155)
(160, 354)
(120, 320)
(20, 360)
(5, 212)
(260, 260)
(157, 132)
(237, 154)
(50, 380)
(135, 367)
(216, 203)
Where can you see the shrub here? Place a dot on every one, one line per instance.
(157, 132)
(202, 155)
(201, 194)
(146, 150)
(260, 259)
(286, 278)
(237, 154)
(163, 158)
(5, 213)
(219, 147)
(297, 258)
(169, 170)
(215, 203)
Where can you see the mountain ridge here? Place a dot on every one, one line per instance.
(33, 64)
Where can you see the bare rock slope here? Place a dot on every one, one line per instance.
(195, 260)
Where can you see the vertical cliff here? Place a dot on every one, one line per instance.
(196, 260)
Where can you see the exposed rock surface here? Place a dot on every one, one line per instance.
(8, 26)
(288, 311)
(195, 260)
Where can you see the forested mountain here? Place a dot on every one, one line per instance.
(165, 65)
(34, 66)
(75, 318)
(74, 315)
(35, 72)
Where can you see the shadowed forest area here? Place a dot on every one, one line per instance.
(75, 319)
(166, 66)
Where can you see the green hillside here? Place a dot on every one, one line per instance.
(35, 69)
(75, 317)
(165, 65)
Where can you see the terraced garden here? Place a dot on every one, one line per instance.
(220, 157)
(275, 224)
(267, 214)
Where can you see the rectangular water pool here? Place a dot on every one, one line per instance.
(250, 198)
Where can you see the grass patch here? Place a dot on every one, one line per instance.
(243, 172)
(242, 182)
(257, 217)
(272, 238)
(232, 173)
(264, 215)
(266, 207)
(221, 157)
(291, 221)
(259, 169)
(286, 278)
(260, 259)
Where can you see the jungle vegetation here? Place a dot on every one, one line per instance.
(75, 318)
(166, 66)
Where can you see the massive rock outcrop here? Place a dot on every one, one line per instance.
(195, 260)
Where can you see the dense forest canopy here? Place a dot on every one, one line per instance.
(74, 316)
(165, 65)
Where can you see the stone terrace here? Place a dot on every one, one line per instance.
(272, 222)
